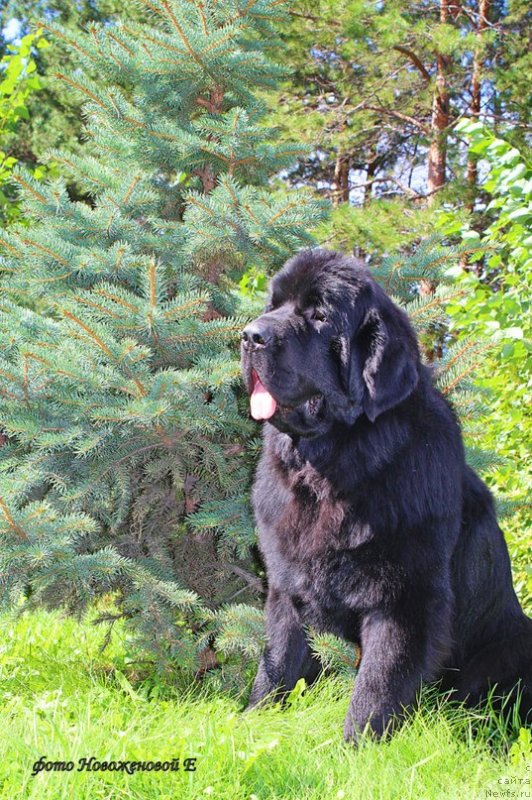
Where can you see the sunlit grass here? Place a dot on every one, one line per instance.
(63, 699)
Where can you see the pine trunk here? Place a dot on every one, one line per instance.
(341, 179)
(440, 118)
(476, 98)
(370, 174)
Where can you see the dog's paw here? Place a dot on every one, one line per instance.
(376, 726)
(356, 727)
(262, 700)
(351, 733)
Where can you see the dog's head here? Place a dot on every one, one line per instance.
(330, 347)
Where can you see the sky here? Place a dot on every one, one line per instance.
(11, 31)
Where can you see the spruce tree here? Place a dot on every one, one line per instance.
(125, 466)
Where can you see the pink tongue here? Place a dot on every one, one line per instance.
(262, 403)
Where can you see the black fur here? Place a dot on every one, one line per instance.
(371, 525)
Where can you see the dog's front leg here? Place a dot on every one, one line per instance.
(395, 658)
(287, 656)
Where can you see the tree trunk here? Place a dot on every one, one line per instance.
(476, 98)
(440, 115)
(215, 106)
(213, 268)
(370, 174)
(341, 179)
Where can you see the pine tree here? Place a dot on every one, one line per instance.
(125, 468)
(377, 89)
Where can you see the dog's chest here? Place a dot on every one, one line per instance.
(305, 534)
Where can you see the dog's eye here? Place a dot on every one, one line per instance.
(318, 316)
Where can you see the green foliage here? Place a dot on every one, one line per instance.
(494, 303)
(511, 71)
(253, 281)
(375, 230)
(18, 81)
(363, 77)
(496, 297)
(54, 118)
(125, 469)
(521, 750)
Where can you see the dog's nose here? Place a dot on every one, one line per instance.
(256, 335)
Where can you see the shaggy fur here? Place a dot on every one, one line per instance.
(371, 525)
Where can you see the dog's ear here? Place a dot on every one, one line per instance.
(386, 350)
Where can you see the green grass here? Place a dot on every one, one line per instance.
(63, 699)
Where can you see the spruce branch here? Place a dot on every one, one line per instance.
(11, 522)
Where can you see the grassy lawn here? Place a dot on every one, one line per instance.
(63, 699)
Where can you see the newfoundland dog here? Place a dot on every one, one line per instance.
(371, 525)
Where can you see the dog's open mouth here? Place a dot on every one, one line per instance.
(263, 404)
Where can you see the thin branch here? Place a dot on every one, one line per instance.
(398, 115)
(416, 61)
(11, 522)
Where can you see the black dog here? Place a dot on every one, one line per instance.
(371, 525)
